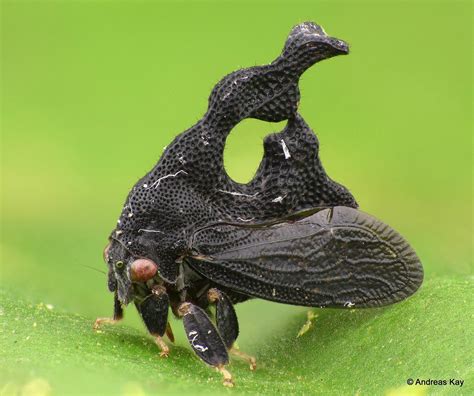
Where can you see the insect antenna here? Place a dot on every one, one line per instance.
(93, 268)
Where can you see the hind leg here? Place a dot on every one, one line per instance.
(227, 324)
(205, 339)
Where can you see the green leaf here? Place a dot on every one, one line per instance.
(343, 352)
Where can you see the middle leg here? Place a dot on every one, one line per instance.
(205, 339)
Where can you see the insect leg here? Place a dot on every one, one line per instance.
(154, 312)
(226, 318)
(118, 315)
(205, 339)
(227, 324)
(169, 332)
(250, 359)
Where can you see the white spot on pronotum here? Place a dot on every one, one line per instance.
(198, 347)
(118, 221)
(349, 304)
(285, 149)
(118, 232)
(307, 29)
(145, 230)
(129, 242)
(278, 199)
(145, 185)
(274, 292)
(157, 182)
(209, 331)
(246, 220)
(130, 204)
(239, 194)
(226, 94)
(181, 159)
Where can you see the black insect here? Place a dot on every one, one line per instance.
(190, 237)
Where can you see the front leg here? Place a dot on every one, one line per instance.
(227, 324)
(205, 339)
(118, 315)
(154, 312)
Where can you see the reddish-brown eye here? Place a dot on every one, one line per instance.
(106, 252)
(143, 270)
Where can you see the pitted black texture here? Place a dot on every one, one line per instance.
(189, 187)
(291, 235)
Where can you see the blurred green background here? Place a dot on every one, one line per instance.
(93, 90)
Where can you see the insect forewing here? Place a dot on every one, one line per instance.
(337, 257)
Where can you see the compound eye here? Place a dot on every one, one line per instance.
(119, 265)
(143, 270)
(106, 253)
